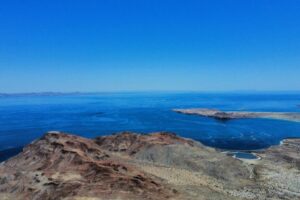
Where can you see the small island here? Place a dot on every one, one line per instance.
(228, 115)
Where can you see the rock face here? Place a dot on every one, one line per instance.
(153, 166)
(221, 115)
(59, 166)
(131, 143)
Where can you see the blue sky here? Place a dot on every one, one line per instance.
(111, 45)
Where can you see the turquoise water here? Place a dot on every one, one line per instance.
(24, 118)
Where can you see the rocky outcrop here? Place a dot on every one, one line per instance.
(132, 143)
(62, 166)
(149, 166)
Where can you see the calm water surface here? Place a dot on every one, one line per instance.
(25, 118)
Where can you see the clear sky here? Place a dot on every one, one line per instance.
(118, 45)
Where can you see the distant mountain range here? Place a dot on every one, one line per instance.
(39, 94)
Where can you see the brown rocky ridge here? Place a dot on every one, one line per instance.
(150, 166)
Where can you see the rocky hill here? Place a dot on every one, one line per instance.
(153, 166)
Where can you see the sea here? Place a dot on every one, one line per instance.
(26, 117)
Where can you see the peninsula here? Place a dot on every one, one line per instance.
(228, 115)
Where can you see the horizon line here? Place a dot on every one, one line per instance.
(146, 91)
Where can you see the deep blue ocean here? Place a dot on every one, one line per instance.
(24, 118)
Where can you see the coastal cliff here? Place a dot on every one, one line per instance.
(146, 166)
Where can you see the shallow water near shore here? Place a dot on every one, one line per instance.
(245, 155)
(24, 118)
